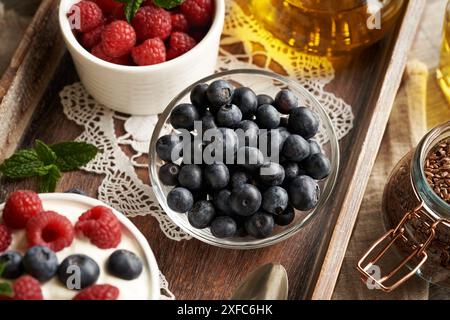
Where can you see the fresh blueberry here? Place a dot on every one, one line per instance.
(75, 191)
(317, 166)
(286, 217)
(198, 96)
(183, 116)
(219, 93)
(180, 200)
(291, 170)
(169, 146)
(246, 100)
(286, 101)
(250, 158)
(223, 227)
(238, 179)
(84, 268)
(272, 174)
(296, 148)
(208, 121)
(275, 200)
(228, 116)
(314, 147)
(222, 202)
(124, 264)
(168, 174)
(202, 214)
(260, 225)
(284, 133)
(12, 261)
(191, 177)
(284, 122)
(246, 200)
(248, 132)
(304, 122)
(271, 143)
(217, 176)
(264, 99)
(40, 262)
(224, 137)
(304, 193)
(267, 117)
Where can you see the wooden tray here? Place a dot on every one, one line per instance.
(30, 109)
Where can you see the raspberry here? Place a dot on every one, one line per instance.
(179, 22)
(152, 51)
(27, 288)
(50, 229)
(91, 38)
(86, 16)
(152, 22)
(109, 6)
(118, 38)
(99, 53)
(198, 12)
(101, 226)
(5, 237)
(20, 207)
(98, 292)
(179, 44)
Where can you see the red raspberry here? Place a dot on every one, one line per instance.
(98, 292)
(91, 38)
(179, 22)
(152, 22)
(5, 237)
(179, 44)
(101, 226)
(99, 53)
(50, 229)
(109, 6)
(152, 51)
(85, 16)
(27, 288)
(118, 38)
(20, 207)
(198, 12)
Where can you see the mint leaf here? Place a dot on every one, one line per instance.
(168, 4)
(131, 7)
(23, 164)
(6, 289)
(45, 154)
(2, 267)
(48, 181)
(73, 155)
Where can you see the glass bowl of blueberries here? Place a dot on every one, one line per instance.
(243, 159)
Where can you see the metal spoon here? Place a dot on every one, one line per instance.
(268, 282)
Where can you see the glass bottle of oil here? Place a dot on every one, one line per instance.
(327, 27)
(443, 71)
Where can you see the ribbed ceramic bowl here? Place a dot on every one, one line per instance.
(142, 90)
(261, 82)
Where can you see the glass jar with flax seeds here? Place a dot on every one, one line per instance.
(416, 210)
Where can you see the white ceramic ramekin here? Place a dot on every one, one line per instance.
(142, 90)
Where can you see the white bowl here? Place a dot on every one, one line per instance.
(142, 90)
(72, 206)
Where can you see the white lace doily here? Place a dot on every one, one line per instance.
(121, 187)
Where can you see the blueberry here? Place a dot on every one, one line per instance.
(284, 122)
(180, 200)
(314, 147)
(208, 121)
(291, 170)
(224, 137)
(275, 200)
(222, 202)
(304, 122)
(219, 93)
(191, 177)
(250, 158)
(228, 116)
(75, 191)
(169, 146)
(260, 225)
(317, 166)
(81, 266)
(12, 261)
(239, 178)
(304, 193)
(249, 135)
(168, 174)
(217, 176)
(246, 100)
(124, 264)
(296, 148)
(286, 101)
(40, 262)
(285, 218)
(183, 116)
(268, 117)
(202, 214)
(271, 143)
(198, 96)
(193, 152)
(223, 227)
(284, 133)
(264, 99)
(246, 200)
(272, 174)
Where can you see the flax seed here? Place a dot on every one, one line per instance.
(437, 169)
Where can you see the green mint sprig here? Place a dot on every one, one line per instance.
(132, 6)
(48, 162)
(5, 287)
